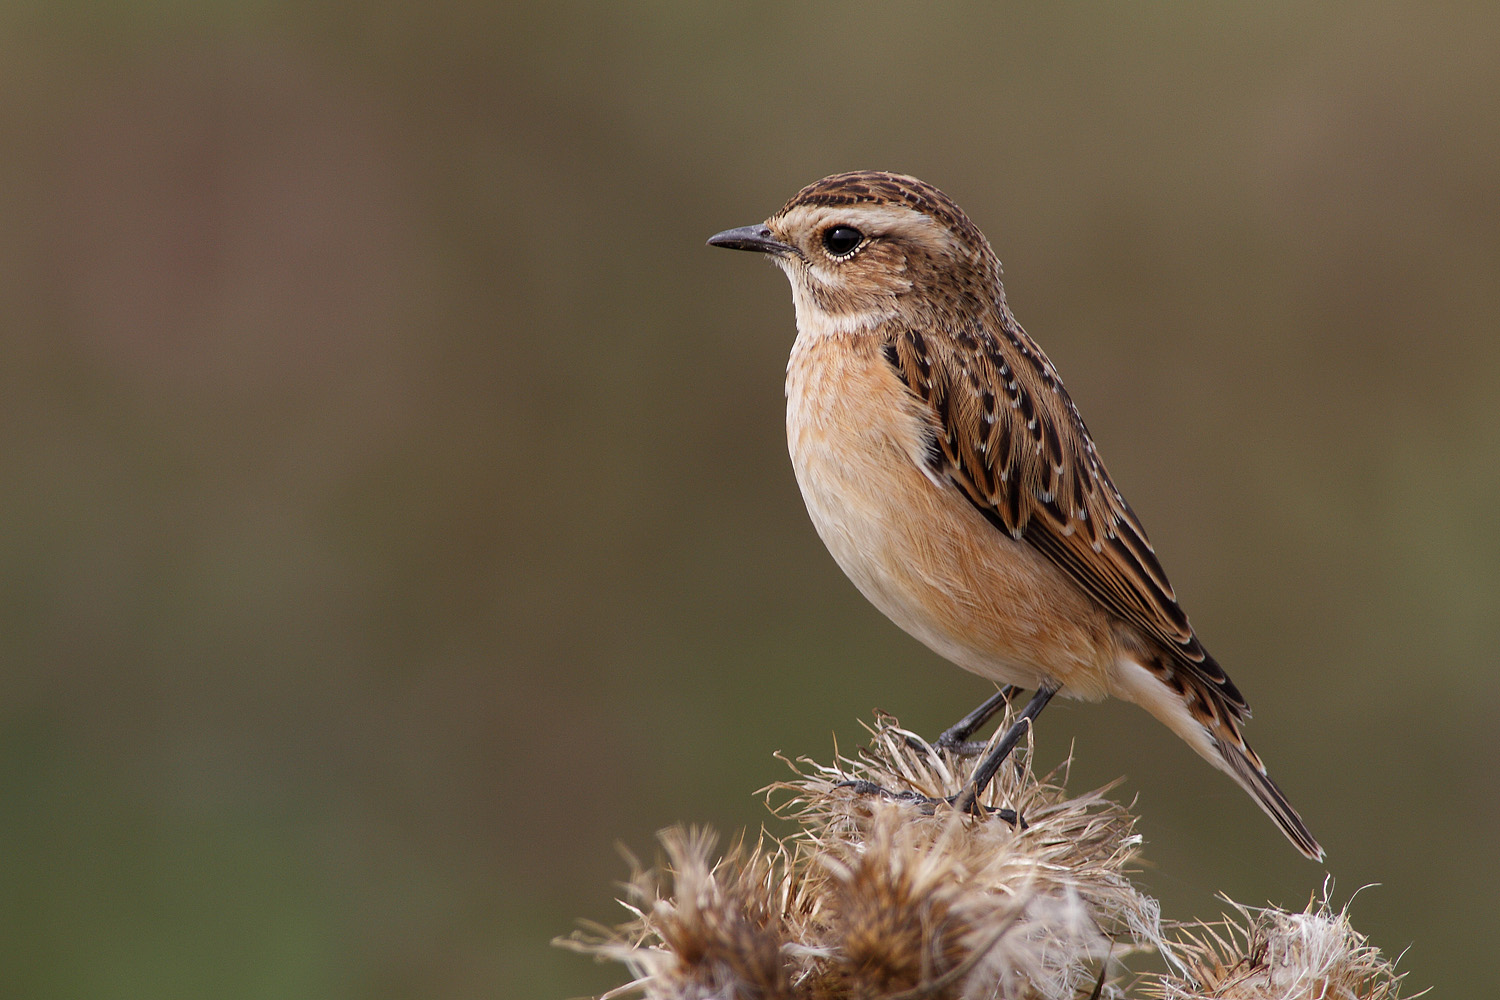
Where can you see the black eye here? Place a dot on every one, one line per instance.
(841, 240)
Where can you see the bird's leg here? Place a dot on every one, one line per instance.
(956, 736)
(969, 797)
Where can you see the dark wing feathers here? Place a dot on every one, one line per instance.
(1033, 471)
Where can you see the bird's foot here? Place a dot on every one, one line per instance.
(957, 743)
(955, 739)
(928, 805)
(949, 740)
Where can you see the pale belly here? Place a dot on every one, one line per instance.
(916, 548)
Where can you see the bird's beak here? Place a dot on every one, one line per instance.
(757, 238)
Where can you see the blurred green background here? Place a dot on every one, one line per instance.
(394, 502)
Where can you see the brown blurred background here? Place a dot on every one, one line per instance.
(394, 505)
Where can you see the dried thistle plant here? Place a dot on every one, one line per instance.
(1270, 954)
(898, 898)
(722, 934)
(927, 899)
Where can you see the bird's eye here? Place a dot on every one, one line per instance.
(842, 240)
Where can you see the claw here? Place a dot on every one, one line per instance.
(928, 804)
(1010, 816)
(960, 747)
(862, 787)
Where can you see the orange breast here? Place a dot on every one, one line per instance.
(915, 547)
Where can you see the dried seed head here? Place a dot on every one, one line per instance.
(876, 897)
(1270, 954)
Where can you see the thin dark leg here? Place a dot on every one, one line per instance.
(956, 736)
(987, 767)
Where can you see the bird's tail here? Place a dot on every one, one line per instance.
(1244, 766)
(1193, 709)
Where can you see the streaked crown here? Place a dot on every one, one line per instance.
(879, 188)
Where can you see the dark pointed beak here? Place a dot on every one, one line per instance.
(757, 238)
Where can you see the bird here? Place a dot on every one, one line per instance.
(950, 475)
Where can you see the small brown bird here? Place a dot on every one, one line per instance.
(952, 478)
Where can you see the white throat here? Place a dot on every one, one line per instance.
(815, 321)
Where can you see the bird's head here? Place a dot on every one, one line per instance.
(868, 246)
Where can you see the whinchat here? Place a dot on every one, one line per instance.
(951, 476)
